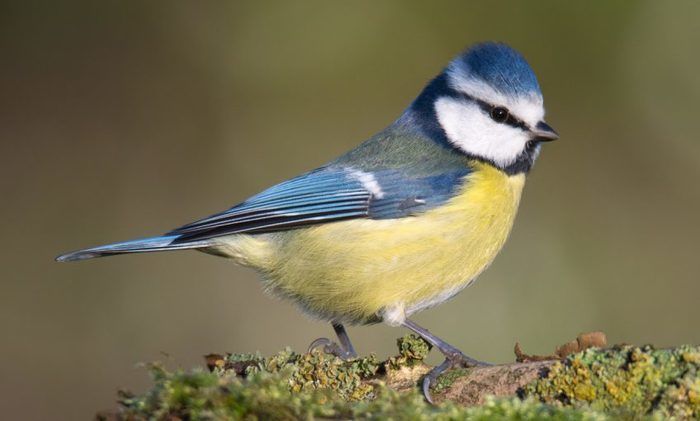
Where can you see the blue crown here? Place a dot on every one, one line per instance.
(499, 66)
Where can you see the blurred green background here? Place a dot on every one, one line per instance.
(123, 119)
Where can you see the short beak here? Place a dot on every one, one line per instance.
(543, 133)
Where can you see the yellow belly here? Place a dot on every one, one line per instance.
(360, 270)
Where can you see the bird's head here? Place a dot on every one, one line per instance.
(487, 104)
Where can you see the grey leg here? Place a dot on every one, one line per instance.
(453, 357)
(344, 350)
(344, 340)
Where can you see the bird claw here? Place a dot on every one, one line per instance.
(330, 347)
(451, 361)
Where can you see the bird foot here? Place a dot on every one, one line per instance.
(452, 360)
(332, 348)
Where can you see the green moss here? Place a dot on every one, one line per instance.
(201, 395)
(447, 379)
(626, 380)
(204, 395)
(412, 350)
(307, 372)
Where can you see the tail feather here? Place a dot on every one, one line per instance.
(143, 245)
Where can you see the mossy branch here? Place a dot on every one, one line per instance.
(623, 381)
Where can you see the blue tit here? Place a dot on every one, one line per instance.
(399, 224)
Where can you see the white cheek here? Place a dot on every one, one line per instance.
(472, 131)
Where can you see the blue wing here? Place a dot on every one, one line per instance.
(328, 194)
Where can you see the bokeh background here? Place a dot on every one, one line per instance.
(120, 119)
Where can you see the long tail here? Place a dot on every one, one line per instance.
(144, 245)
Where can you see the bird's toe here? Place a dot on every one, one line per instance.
(330, 347)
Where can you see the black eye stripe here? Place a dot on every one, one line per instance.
(486, 107)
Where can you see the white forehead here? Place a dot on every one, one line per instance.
(528, 108)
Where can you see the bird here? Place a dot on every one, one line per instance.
(399, 224)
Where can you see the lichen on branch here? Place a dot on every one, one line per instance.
(626, 380)
(595, 384)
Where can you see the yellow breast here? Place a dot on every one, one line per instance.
(355, 270)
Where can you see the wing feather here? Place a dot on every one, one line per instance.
(319, 196)
(327, 195)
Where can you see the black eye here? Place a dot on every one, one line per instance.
(499, 114)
